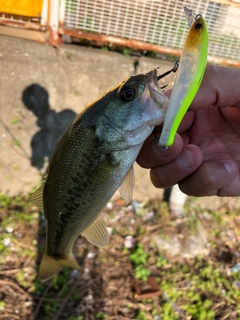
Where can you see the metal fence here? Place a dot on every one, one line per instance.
(158, 22)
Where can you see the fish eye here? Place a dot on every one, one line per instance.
(127, 93)
(198, 26)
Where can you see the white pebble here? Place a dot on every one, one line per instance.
(109, 206)
(91, 255)
(7, 241)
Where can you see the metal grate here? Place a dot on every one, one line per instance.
(158, 22)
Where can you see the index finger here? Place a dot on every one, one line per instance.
(151, 155)
(220, 88)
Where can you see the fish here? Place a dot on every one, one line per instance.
(191, 70)
(92, 160)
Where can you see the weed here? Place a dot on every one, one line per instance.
(141, 315)
(16, 167)
(193, 223)
(101, 316)
(104, 48)
(161, 262)
(5, 201)
(142, 273)
(126, 52)
(77, 93)
(16, 143)
(201, 310)
(14, 120)
(141, 230)
(2, 305)
(167, 312)
(51, 308)
(139, 256)
(69, 55)
(22, 279)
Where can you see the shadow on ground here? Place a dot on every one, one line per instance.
(52, 125)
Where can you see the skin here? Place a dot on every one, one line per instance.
(205, 157)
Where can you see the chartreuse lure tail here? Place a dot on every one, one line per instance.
(192, 66)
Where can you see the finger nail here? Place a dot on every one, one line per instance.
(230, 167)
(185, 159)
(161, 152)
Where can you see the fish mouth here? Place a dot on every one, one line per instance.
(156, 93)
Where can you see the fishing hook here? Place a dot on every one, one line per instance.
(174, 69)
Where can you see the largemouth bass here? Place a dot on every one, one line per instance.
(192, 66)
(94, 157)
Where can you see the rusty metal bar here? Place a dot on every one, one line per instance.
(138, 45)
(133, 44)
(22, 24)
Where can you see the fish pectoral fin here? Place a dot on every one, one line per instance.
(50, 266)
(37, 198)
(126, 188)
(97, 233)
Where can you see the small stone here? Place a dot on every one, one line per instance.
(9, 229)
(129, 242)
(91, 255)
(89, 297)
(110, 230)
(109, 206)
(236, 268)
(7, 241)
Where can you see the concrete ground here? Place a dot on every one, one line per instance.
(42, 89)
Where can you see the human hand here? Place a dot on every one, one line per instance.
(205, 157)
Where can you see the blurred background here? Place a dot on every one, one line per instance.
(56, 57)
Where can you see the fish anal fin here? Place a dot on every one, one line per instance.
(126, 188)
(97, 233)
(37, 198)
(50, 266)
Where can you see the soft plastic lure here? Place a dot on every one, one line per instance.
(192, 66)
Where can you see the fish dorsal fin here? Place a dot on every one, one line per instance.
(126, 189)
(37, 198)
(97, 232)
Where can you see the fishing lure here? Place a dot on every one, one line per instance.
(192, 66)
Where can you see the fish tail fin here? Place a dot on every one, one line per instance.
(50, 266)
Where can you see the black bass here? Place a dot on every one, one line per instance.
(94, 157)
